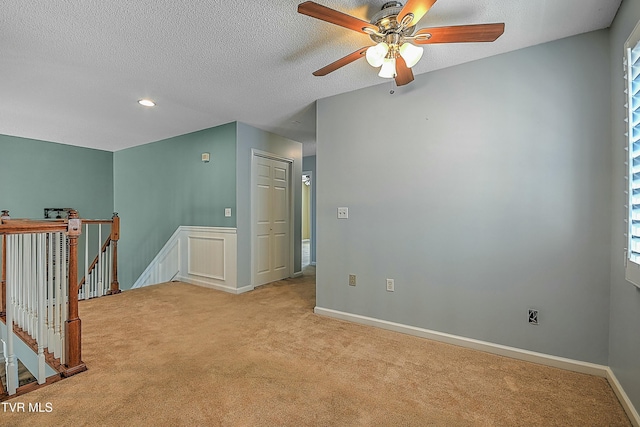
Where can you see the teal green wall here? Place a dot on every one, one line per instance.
(163, 185)
(36, 174)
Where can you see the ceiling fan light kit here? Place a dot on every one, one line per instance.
(393, 31)
(388, 69)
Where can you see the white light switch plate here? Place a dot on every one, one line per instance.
(227, 212)
(343, 213)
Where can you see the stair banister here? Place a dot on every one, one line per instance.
(115, 236)
(73, 325)
(71, 328)
(101, 275)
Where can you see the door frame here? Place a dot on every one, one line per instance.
(290, 184)
(311, 217)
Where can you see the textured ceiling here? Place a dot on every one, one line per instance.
(72, 71)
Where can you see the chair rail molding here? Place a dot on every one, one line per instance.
(203, 256)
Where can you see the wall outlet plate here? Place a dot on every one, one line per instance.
(390, 285)
(227, 212)
(343, 213)
(533, 316)
(352, 280)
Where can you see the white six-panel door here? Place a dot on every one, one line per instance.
(271, 208)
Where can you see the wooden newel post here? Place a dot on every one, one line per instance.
(73, 339)
(3, 280)
(115, 236)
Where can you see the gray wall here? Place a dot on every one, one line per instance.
(249, 138)
(163, 185)
(39, 174)
(484, 194)
(309, 165)
(624, 350)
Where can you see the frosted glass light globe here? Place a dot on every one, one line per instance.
(375, 54)
(388, 69)
(411, 54)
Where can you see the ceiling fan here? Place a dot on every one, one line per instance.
(393, 31)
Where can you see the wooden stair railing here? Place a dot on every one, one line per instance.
(96, 277)
(20, 240)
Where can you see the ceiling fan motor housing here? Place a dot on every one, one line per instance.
(386, 21)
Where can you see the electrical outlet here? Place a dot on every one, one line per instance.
(352, 280)
(390, 285)
(533, 316)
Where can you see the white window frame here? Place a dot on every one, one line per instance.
(632, 134)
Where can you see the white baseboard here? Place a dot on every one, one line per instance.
(216, 286)
(498, 349)
(628, 407)
(501, 350)
(313, 263)
(297, 274)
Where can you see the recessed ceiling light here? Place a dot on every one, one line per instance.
(147, 102)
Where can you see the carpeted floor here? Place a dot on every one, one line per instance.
(176, 354)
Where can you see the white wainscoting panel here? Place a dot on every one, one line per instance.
(204, 256)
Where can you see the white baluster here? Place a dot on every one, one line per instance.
(26, 282)
(85, 287)
(50, 294)
(33, 286)
(105, 271)
(100, 280)
(24, 266)
(107, 286)
(17, 294)
(20, 289)
(11, 366)
(42, 378)
(3, 360)
(17, 266)
(58, 292)
(43, 264)
(99, 266)
(64, 289)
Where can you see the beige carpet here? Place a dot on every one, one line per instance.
(176, 354)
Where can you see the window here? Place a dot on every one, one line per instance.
(632, 132)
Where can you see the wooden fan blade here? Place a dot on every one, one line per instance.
(460, 34)
(341, 62)
(327, 14)
(417, 8)
(404, 75)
